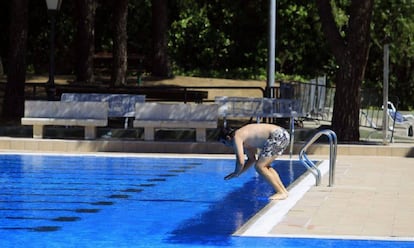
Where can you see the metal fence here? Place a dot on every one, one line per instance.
(317, 99)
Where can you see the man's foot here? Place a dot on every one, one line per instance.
(279, 196)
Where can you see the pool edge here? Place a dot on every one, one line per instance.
(261, 224)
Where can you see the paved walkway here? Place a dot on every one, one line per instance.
(372, 199)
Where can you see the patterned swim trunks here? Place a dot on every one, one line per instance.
(276, 143)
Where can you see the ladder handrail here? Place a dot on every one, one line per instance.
(332, 156)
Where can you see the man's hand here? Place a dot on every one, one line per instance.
(231, 175)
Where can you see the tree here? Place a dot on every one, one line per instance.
(350, 48)
(4, 38)
(120, 38)
(301, 45)
(85, 40)
(393, 23)
(13, 105)
(160, 61)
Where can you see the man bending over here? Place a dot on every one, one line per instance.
(272, 140)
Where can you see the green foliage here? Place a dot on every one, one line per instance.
(301, 46)
(216, 38)
(292, 78)
(4, 27)
(229, 39)
(340, 15)
(139, 27)
(38, 38)
(393, 23)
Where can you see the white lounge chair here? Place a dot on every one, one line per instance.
(399, 119)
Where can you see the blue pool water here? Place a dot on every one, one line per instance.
(97, 201)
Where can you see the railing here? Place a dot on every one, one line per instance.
(332, 156)
(315, 97)
(153, 93)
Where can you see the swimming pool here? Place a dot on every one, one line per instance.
(114, 201)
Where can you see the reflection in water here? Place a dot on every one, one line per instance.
(223, 218)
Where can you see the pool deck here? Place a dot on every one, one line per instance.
(371, 197)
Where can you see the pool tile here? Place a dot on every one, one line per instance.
(17, 145)
(45, 145)
(4, 143)
(60, 146)
(371, 197)
(347, 229)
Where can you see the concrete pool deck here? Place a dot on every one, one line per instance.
(371, 199)
(372, 196)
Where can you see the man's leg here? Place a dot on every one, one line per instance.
(264, 168)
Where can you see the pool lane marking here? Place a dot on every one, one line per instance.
(167, 175)
(132, 190)
(78, 210)
(178, 169)
(34, 229)
(57, 195)
(82, 210)
(119, 196)
(58, 219)
(265, 220)
(103, 203)
(88, 185)
(86, 177)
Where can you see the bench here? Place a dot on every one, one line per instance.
(86, 114)
(151, 116)
(120, 105)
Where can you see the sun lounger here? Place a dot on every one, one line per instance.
(400, 120)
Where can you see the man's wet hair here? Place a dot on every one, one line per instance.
(226, 131)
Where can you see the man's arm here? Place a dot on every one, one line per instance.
(251, 159)
(241, 164)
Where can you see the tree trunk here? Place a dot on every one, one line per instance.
(351, 53)
(13, 105)
(119, 50)
(85, 40)
(345, 119)
(160, 60)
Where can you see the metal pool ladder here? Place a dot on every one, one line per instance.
(332, 156)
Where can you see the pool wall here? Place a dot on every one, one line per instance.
(137, 146)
